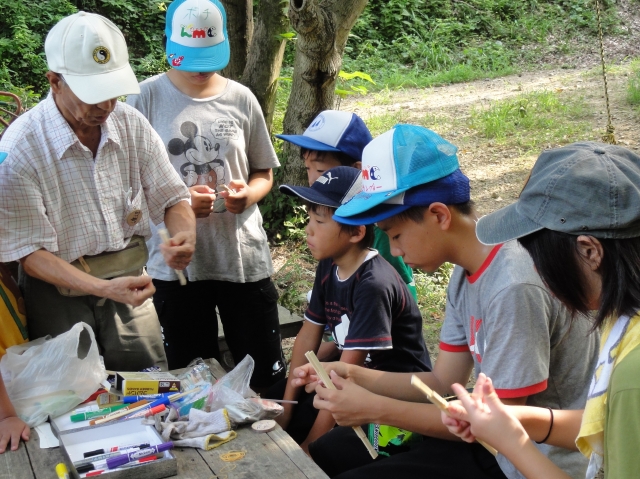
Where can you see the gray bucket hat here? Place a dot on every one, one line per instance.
(583, 188)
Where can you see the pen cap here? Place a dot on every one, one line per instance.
(62, 471)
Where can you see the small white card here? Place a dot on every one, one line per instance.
(342, 330)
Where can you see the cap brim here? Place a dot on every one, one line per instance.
(306, 142)
(379, 213)
(205, 59)
(309, 194)
(93, 89)
(365, 201)
(504, 225)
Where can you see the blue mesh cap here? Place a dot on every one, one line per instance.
(334, 188)
(452, 189)
(401, 158)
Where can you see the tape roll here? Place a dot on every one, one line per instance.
(265, 425)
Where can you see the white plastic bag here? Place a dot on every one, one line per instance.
(49, 377)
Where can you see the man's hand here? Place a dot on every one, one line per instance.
(349, 404)
(133, 290)
(306, 376)
(202, 198)
(12, 428)
(177, 254)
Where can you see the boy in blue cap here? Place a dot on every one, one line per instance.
(499, 319)
(217, 140)
(373, 318)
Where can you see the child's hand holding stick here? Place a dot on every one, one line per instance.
(441, 404)
(324, 377)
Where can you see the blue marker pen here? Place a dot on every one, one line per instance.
(132, 399)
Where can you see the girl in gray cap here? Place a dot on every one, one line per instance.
(579, 219)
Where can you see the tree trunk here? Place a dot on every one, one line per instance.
(323, 28)
(265, 57)
(240, 30)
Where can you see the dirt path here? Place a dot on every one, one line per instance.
(497, 171)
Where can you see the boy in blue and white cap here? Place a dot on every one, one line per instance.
(216, 137)
(337, 138)
(373, 318)
(499, 319)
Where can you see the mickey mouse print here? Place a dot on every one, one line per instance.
(202, 151)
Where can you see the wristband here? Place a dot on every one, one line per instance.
(550, 427)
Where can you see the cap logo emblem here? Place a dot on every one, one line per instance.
(327, 179)
(317, 123)
(101, 55)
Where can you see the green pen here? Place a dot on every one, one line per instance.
(85, 416)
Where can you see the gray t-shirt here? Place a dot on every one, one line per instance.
(210, 142)
(522, 338)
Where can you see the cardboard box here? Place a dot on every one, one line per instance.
(138, 384)
(75, 442)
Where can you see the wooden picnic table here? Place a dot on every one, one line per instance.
(268, 455)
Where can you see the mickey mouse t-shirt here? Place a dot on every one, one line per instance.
(371, 310)
(212, 141)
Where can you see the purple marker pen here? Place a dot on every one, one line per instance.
(118, 461)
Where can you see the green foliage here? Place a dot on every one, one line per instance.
(23, 29)
(26, 23)
(432, 298)
(344, 77)
(533, 120)
(633, 87)
(429, 42)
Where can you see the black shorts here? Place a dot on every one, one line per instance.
(249, 316)
(341, 454)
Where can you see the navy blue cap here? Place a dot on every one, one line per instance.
(333, 189)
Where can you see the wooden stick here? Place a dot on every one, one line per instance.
(164, 236)
(441, 404)
(121, 412)
(324, 377)
(176, 396)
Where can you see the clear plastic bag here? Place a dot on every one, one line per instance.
(49, 377)
(233, 393)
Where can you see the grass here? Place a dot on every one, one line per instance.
(534, 119)
(432, 298)
(633, 87)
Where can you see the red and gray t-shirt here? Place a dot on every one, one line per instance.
(522, 338)
(371, 310)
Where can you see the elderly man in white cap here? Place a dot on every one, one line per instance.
(81, 178)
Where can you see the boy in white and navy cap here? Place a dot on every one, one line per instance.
(216, 137)
(499, 319)
(373, 318)
(337, 138)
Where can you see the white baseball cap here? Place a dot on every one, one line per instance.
(91, 53)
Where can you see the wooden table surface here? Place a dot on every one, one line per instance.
(268, 455)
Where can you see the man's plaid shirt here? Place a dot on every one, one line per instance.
(55, 196)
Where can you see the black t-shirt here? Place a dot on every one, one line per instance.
(371, 310)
